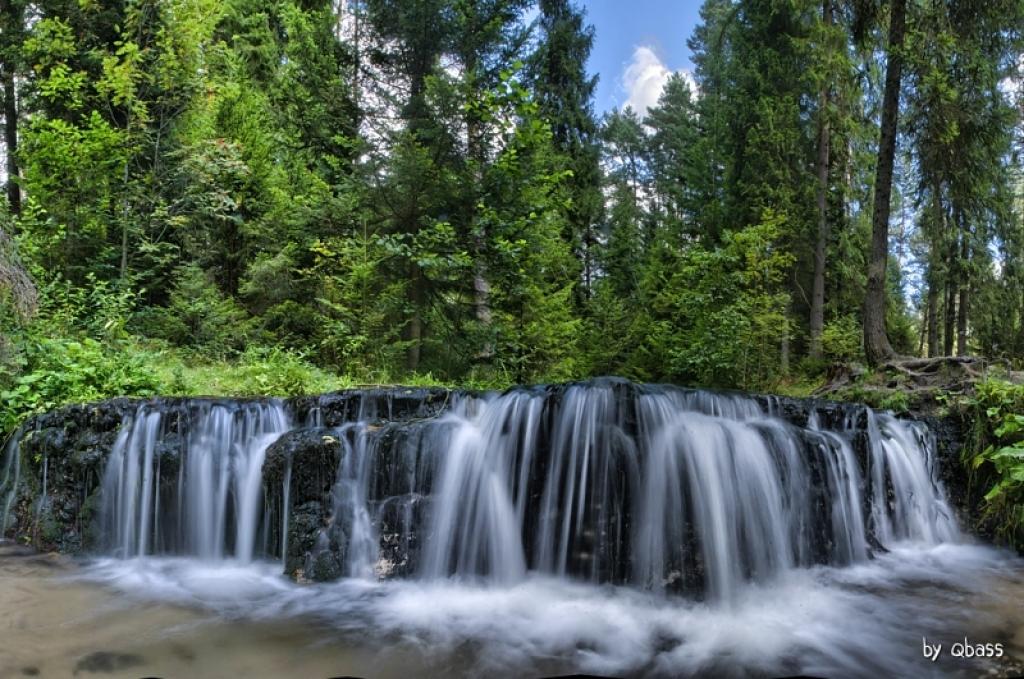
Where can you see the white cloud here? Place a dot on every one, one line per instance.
(644, 79)
(1013, 85)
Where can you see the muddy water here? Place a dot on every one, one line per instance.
(185, 618)
(54, 624)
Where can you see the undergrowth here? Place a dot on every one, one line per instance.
(994, 454)
(47, 373)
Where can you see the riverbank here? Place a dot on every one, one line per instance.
(59, 623)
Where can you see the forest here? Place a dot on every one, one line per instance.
(370, 338)
(286, 195)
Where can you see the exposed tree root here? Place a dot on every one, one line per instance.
(920, 379)
(926, 371)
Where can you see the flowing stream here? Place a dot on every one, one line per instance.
(602, 527)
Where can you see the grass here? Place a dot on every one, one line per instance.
(797, 386)
(51, 373)
(255, 373)
(262, 371)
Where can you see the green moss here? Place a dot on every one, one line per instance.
(896, 401)
(799, 386)
(87, 516)
(49, 530)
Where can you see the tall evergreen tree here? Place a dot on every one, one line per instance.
(822, 170)
(565, 94)
(675, 162)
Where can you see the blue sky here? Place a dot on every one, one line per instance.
(638, 44)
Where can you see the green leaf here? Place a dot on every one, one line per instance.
(1009, 452)
(995, 492)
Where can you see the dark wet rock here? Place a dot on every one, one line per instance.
(108, 662)
(379, 404)
(30, 671)
(403, 527)
(62, 455)
(966, 494)
(829, 414)
(317, 540)
(324, 566)
(304, 526)
(312, 455)
(70, 448)
(72, 445)
(309, 458)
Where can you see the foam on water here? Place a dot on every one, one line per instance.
(606, 482)
(863, 620)
(601, 527)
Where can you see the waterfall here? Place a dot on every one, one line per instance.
(477, 527)
(658, 487)
(10, 479)
(668, 488)
(348, 499)
(655, 487)
(214, 478)
(286, 492)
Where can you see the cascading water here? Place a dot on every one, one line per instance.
(208, 500)
(604, 482)
(656, 487)
(9, 479)
(669, 487)
(816, 534)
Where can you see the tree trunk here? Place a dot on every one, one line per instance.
(817, 322)
(356, 62)
(961, 323)
(934, 266)
(876, 340)
(924, 325)
(11, 19)
(481, 287)
(949, 320)
(962, 307)
(949, 317)
(784, 347)
(482, 304)
(933, 319)
(477, 151)
(414, 331)
(414, 112)
(124, 219)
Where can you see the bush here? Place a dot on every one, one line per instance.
(841, 339)
(995, 454)
(198, 316)
(259, 371)
(292, 323)
(897, 401)
(100, 309)
(280, 373)
(61, 371)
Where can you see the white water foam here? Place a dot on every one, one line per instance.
(864, 620)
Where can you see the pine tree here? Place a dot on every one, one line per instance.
(675, 162)
(565, 93)
(876, 340)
